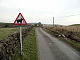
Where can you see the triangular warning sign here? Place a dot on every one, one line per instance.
(20, 20)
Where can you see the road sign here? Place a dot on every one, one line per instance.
(20, 20)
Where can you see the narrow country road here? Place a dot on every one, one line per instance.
(51, 48)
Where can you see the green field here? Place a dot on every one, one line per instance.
(29, 47)
(4, 32)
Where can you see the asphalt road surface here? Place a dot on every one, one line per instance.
(51, 48)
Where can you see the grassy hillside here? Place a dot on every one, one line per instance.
(10, 25)
(4, 25)
(75, 25)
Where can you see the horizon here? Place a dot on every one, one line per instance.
(43, 24)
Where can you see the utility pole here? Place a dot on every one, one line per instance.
(53, 21)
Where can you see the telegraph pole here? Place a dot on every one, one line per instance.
(53, 21)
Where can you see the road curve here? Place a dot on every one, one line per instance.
(51, 48)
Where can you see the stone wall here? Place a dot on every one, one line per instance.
(62, 33)
(9, 45)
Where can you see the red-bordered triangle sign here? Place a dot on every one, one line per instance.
(20, 20)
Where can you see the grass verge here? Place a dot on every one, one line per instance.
(29, 48)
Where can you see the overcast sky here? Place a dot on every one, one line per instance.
(65, 12)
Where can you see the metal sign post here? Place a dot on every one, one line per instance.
(21, 39)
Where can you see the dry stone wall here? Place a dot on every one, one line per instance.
(9, 45)
(64, 34)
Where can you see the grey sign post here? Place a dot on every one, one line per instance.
(21, 39)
